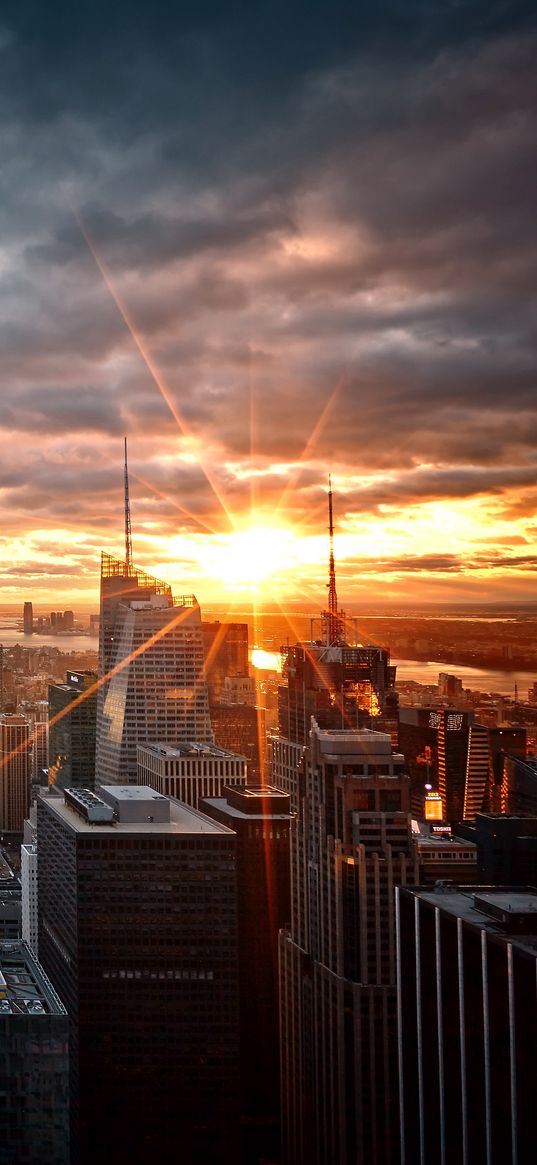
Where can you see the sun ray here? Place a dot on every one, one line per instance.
(154, 373)
(166, 498)
(311, 443)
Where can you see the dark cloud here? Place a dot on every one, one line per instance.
(286, 200)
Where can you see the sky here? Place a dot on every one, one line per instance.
(268, 242)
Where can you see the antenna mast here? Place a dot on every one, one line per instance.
(128, 531)
(333, 620)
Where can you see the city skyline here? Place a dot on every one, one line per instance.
(267, 246)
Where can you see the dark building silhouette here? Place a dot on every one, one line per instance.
(28, 618)
(240, 728)
(517, 792)
(506, 848)
(226, 654)
(418, 741)
(34, 1058)
(72, 719)
(350, 846)
(138, 932)
(260, 818)
(15, 772)
(467, 962)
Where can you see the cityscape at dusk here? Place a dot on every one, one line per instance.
(268, 616)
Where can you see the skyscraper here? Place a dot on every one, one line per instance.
(152, 645)
(152, 683)
(15, 768)
(28, 619)
(350, 845)
(467, 962)
(34, 1108)
(260, 818)
(73, 714)
(138, 933)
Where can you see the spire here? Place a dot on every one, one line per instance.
(128, 531)
(332, 593)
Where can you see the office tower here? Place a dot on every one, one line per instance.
(34, 1113)
(29, 929)
(10, 909)
(514, 788)
(189, 771)
(260, 818)
(506, 848)
(73, 715)
(226, 654)
(15, 760)
(38, 717)
(467, 963)
(350, 845)
(418, 741)
(453, 732)
(138, 932)
(241, 729)
(484, 767)
(151, 646)
(28, 619)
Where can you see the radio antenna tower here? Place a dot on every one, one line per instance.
(128, 531)
(333, 618)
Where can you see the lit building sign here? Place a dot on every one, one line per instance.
(433, 807)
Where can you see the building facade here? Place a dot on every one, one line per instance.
(467, 963)
(350, 846)
(15, 772)
(73, 720)
(138, 932)
(190, 770)
(34, 1054)
(29, 910)
(260, 817)
(151, 669)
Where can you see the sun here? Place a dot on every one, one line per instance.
(248, 558)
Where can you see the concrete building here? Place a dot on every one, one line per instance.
(15, 771)
(189, 771)
(444, 857)
(10, 909)
(350, 846)
(34, 1050)
(467, 974)
(73, 717)
(29, 896)
(151, 667)
(260, 818)
(138, 932)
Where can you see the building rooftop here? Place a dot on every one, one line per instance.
(504, 911)
(252, 803)
(24, 987)
(182, 818)
(190, 748)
